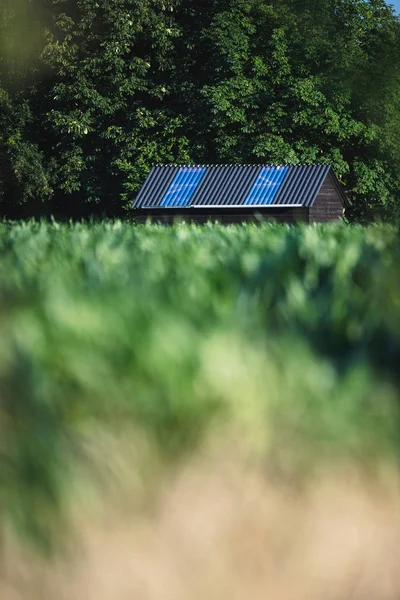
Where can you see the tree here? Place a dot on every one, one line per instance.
(24, 180)
(107, 118)
(292, 82)
(103, 90)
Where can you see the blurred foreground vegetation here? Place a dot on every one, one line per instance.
(288, 336)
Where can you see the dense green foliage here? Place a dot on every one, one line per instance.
(93, 93)
(291, 333)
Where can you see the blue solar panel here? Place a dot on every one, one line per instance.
(266, 185)
(183, 186)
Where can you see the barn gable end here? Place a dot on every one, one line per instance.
(329, 203)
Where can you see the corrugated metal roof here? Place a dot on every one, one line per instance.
(231, 185)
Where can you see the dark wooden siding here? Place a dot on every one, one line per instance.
(328, 205)
(226, 216)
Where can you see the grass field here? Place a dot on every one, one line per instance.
(151, 343)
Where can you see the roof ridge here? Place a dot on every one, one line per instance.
(243, 165)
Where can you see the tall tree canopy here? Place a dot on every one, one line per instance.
(100, 91)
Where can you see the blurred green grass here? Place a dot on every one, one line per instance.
(288, 335)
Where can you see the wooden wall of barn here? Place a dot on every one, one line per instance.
(223, 216)
(328, 205)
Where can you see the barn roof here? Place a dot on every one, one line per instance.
(207, 186)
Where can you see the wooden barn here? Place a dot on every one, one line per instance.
(238, 193)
